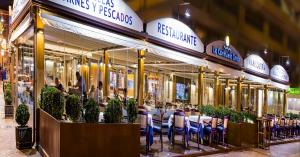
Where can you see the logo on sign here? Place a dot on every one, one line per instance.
(115, 11)
(220, 50)
(226, 52)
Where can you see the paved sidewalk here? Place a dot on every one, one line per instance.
(7, 135)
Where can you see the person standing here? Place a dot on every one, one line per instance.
(3, 74)
(58, 85)
(100, 93)
(81, 85)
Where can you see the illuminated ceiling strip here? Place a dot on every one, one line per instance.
(23, 26)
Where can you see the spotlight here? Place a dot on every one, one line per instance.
(227, 41)
(187, 13)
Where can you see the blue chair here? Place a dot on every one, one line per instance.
(211, 129)
(178, 127)
(144, 129)
(196, 129)
(222, 129)
(158, 126)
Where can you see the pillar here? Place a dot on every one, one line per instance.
(141, 61)
(265, 108)
(216, 90)
(284, 102)
(11, 75)
(39, 58)
(106, 74)
(249, 97)
(200, 85)
(239, 94)
(227, 89)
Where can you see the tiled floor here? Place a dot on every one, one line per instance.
(7, 135)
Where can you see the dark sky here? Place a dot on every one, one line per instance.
(4, 4)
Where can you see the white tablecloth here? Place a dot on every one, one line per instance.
(190, 118)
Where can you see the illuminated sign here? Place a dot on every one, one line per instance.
(219, 50)
(114, 11)
(256, 64)
(175, 32)
(294, 91)
(279, 73)
(18, 6)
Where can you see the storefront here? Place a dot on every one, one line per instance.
(162, 65)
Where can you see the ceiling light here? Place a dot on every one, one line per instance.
(187, 13)
(227, 41)
(287, 62)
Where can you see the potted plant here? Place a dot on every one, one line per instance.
(73, 107)
(52, 101)
(23, 132)
(113, 111)
(92, 111)
(132, 110)
(9, 109)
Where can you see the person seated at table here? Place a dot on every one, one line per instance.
(58, 85)
(116, 94)
(92, 93)
(100, 92)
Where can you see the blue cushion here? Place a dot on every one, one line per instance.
(207, 130)
(220, 128)
(156, 128)
(194, 129)
(165, 125)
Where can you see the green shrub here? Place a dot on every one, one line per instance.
(132, 110)
(250, 117)
(22, 115)
(7, 86)
(293, 115)
(91, 109)
(113, 111)
(52, 101)
(7, 97)
(208, 110)
(73, 107)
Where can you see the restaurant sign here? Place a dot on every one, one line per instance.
(220, 50)
(18, 6)
(175, 32)
(279, 73)
(114, 11)
(255, 63)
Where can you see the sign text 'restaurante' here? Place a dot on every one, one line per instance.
(176, 34)
(102, 7)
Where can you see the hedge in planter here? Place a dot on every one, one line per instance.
(9, 109)
(92, 111)
(113, 111)
(23, 132)
(73, 107)
(52, 101)
(132, 110)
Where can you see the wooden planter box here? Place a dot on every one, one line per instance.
(234, 134)
(242, 133)
(63, 139)
(249, 133)
(8, 110)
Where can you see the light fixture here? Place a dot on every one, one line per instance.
(2, 52)
(101, 63)
(265, 51)
(109, 64)
(227, 40)
(2, 19)
(187, 13)
(287, 62)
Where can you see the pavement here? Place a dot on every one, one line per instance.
(7, 135)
